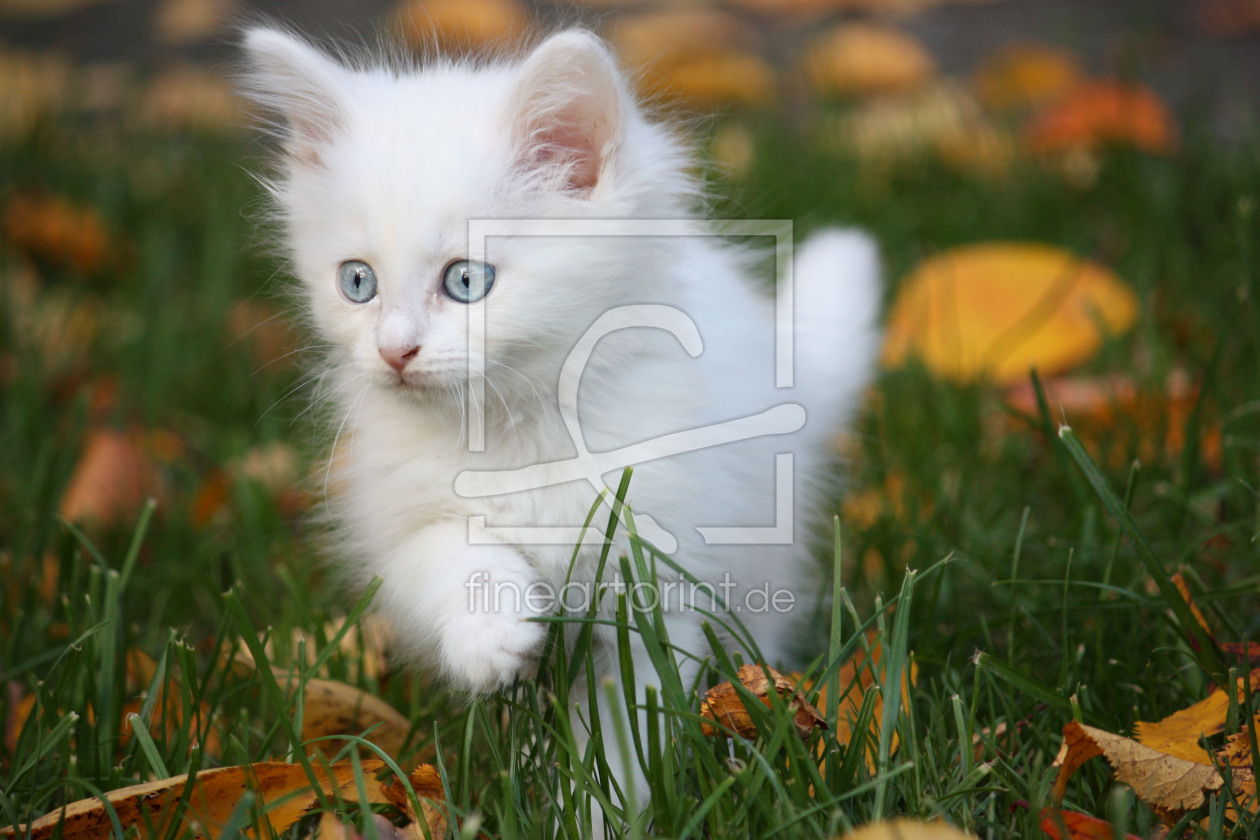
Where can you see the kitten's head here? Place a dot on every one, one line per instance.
(384, 166)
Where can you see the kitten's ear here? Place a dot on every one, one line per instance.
(567, 108)
(300, 84)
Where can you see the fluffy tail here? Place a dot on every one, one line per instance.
(837, 292)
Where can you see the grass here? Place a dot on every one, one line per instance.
(1031, 606)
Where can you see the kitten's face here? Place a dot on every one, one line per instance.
(385, 173)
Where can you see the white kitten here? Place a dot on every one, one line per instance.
(384, 169)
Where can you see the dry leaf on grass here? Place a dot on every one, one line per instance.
(862, 59)
(1027, 75)
(903, 829)
(1068, 825)
(996, 310)
(1119, 419)
(1103, 113)
(284, 790)
(113, 479)
(1170, 784)
(460, 25)
(331, 709)
(54, 230)
(725, 705)
(701, 56)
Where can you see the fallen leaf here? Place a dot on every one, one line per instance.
(1179, 733)
(331, 708)
(1103, 113)
(703, 57)
(1069, 825)
(862, 59)
(185, 21)
(54, 230)
(904, 829)
(1169, 784)
(725, 705)
(856, 679)
(460, 25)
(1027, 75)
(112, 481)
(996, 310)
(1119, 418)
(286, 792)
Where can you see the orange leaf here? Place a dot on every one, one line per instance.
(904, 829)
(1102, 113)
(997, 309)
(859, 59)
(113, 479)
(1030, 74)
(1078, 826)
(724, 704)
(52, 229)
(1119, 419)
(460, 25)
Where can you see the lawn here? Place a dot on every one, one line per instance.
(141, 332)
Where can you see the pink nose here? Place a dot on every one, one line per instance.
(398, 357)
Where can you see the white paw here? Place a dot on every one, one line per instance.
(488, 641)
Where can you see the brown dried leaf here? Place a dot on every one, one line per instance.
(723, 703)
(1167, 783)
(284, 789)
(331, 708)
(113, 479)
(54, 230)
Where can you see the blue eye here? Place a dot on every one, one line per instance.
(468, 282)
(358, 281)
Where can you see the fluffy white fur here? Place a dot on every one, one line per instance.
(387, 164)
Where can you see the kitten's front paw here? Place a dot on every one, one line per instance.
(486, 643)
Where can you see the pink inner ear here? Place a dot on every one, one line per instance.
(567, 143)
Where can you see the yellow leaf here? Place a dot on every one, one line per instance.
(331, 708)
(460, 25)
(995, 310)
(903, 829)
(1179, 733)
(284, 790)
(860, 59)
(1170, 784)
(1026, 75)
